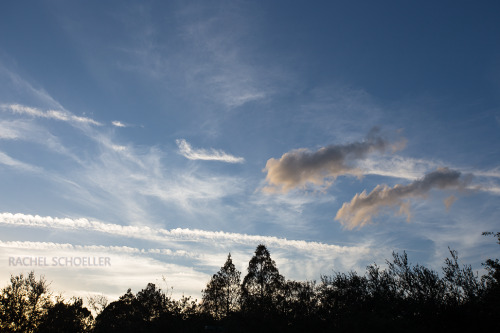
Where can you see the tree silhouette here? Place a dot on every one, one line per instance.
(67, 317)
(400, 298)
(120, 316)
(221, 297)
(300, 303)
(262, 285)
(462, 285)
(492, 278)
(491, 297)
(150, 310)
(23, 303)
(97, 303)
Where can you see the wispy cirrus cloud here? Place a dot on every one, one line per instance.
(211, 154)
(97, 248)
(224, 73)
(8, 132)
(363, 207)
(298, 168)
(61, 115)
(121, 177)
(14, 163)
(209, 59)
(397, 167)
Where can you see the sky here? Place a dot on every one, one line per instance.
(164, 135)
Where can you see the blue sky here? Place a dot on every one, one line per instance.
(164, 135)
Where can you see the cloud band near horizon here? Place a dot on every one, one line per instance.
(162, 235)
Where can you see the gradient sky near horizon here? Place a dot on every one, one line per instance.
(166, 134)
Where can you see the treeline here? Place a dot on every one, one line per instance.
(400, 298)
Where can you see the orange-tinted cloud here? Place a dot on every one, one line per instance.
(363, 207)
(300, 167)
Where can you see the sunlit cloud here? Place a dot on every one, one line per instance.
(300, 167)
(363, 207)
(188, 152)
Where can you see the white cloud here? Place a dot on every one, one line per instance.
(60, 115)
(493, 173)
(97, 248)
(122, 178)
(397, 167)
(8, 133)
(117, 123)
(125, 180)
(163, 235)
(186, 257)
(118, 148)
(27, 130)
(207, 155)
(11, 162)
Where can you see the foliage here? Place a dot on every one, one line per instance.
(97, 303)
(135, 313)
(67, 317)
(23, 303)
(222, 295)
(262, 286)
(492, 278)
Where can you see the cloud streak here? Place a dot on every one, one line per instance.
(11, 162)
(100, 248)
(188, 152)
(189, 249)
(363, 207)
(300, 167)
(164, 235)
(60, 115)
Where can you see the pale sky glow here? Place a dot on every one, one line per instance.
(165, 135)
